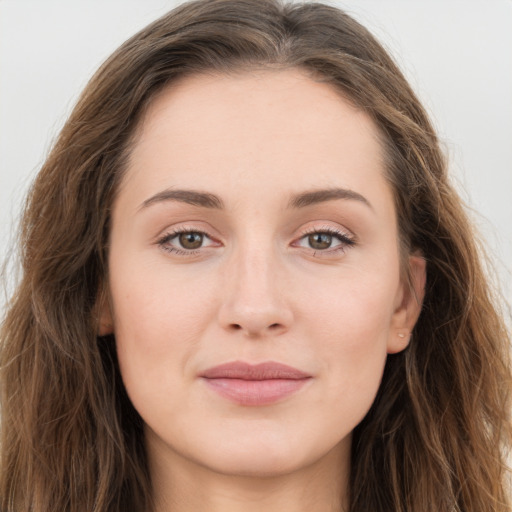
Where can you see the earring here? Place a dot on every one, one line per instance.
(104, 327)
(402, 335)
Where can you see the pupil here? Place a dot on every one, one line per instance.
(191, 240)
(320, 241)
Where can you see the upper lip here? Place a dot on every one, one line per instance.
(245, 371)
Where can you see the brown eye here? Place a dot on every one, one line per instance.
(320, 241)
(190, 240)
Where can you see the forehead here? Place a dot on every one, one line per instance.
(255, 130)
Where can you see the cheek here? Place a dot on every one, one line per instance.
(356, 308)
(159, 318)
(352, 327)
(151, 297)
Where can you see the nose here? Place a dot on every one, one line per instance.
(254, 296)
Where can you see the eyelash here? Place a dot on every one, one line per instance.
(164, 241)
(346, 241)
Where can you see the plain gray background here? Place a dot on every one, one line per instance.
(456, 54)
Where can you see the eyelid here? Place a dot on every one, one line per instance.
(189, 226)
(327, 228)
(339, 231)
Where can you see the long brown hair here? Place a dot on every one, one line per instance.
(437, 435)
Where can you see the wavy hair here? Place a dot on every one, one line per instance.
(437, 435)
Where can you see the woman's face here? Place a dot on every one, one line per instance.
(254, 225)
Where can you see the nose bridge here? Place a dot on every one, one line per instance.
(253, 300)
(254, 264)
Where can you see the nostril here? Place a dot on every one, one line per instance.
(271, 327)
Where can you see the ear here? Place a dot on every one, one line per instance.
(104, 313)
(408, 304)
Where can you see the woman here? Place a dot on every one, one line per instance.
(248, 285)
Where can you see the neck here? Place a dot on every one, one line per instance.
(183, 486)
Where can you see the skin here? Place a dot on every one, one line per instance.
(257, 289)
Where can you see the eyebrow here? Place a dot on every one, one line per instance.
(207, 200)
(192, 197)
(321, 196)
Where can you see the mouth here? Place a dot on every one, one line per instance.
(253, 385)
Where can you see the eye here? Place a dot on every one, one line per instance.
(325, 240)
(190, 240)
(185, 242)
(320, 241)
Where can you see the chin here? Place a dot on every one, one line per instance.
(257, 463)
(264, 455)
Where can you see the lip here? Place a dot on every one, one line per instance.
(260, 384)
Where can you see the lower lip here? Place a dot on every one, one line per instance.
(255, 392)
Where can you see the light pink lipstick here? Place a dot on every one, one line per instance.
(260, 384)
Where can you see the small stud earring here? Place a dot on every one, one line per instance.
(401, 335)
(106, 327)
